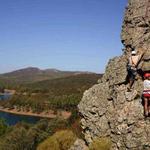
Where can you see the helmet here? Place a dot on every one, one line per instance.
(147, 75)
(133, 52)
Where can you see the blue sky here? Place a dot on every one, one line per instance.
(62, 34)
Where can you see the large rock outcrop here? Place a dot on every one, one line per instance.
(107, 109)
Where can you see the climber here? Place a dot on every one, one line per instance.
(132, 67)
(146, 94)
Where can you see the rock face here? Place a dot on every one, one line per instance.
(136, 29)
(107, 109)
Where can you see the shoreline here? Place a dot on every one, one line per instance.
(63, 114)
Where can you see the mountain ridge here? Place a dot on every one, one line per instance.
(36, 69)
(34, 74)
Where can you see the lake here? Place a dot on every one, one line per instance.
(5, 96)
(12, 119)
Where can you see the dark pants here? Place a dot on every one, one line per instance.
(132, 74)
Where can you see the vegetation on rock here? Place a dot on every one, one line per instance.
(100, 144)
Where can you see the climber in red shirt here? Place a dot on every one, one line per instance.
(146, 94)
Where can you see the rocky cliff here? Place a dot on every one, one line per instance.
(107, 109)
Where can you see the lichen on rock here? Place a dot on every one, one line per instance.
(108, 109)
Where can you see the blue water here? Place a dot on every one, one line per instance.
(5, 96)
(12, 119)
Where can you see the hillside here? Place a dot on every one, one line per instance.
(62, 86)
(32, 74)
(61, 93)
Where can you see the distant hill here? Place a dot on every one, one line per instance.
(66, 85)
(32, 74)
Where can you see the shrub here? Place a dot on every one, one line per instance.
(24, 136)
(49, 144)
(101, 144)
(3, 127)
(61, 140)
(65, 139)
(15, 140)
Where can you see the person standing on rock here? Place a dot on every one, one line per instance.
(146, 94)
(133, 62)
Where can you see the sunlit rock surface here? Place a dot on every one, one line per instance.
(107, 109)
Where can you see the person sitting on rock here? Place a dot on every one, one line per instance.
(133, 62)
(146, 94)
